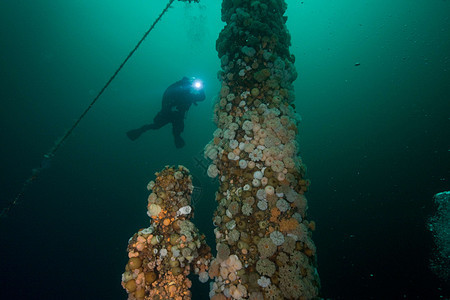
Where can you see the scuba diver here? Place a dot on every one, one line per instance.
(177, 100)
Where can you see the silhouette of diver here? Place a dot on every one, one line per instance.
(177, 100)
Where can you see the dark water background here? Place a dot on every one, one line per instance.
(375, 137)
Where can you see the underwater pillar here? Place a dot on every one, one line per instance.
(439, 225)
(161, 256)
(263, 235)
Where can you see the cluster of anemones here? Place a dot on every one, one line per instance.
(162, 255)
(262, 230)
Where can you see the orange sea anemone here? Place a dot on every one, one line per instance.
(312, 225)
(274, 213)
(287, 225)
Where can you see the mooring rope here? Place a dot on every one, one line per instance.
(48, 156)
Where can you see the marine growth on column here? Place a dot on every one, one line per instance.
(263, 236)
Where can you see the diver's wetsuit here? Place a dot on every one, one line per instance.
(177, 100)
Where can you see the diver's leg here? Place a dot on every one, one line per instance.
(159, 121)
(177, 129)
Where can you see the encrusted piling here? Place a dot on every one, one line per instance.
(263, 235)
(162, 255)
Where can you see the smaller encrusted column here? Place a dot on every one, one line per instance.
(162, 255)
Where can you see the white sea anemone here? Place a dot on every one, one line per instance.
(298, 217)
(212, 171)
(256, 127)
(256, 182)
(163, 252)
(154, 210)
(175, 252)
(203, 277)
(231, 156)
(230, 225)
(269, 190)
(243, 164)
(185, 210)
(277, 238)
(233, 126)
(277, 166)
(178, 175)
(261, 194)
(247, 125)
(230, 97)
(233, 263)
(150, 185)
(256, 155)
(262, 204)
(211, 152)
(229, 134)
(281, 176)
(264, 281)
(249, 147)
(152, 198)
(247, 209)
(233, 144)
(283, 205)
(262, 133)
(258, 175)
